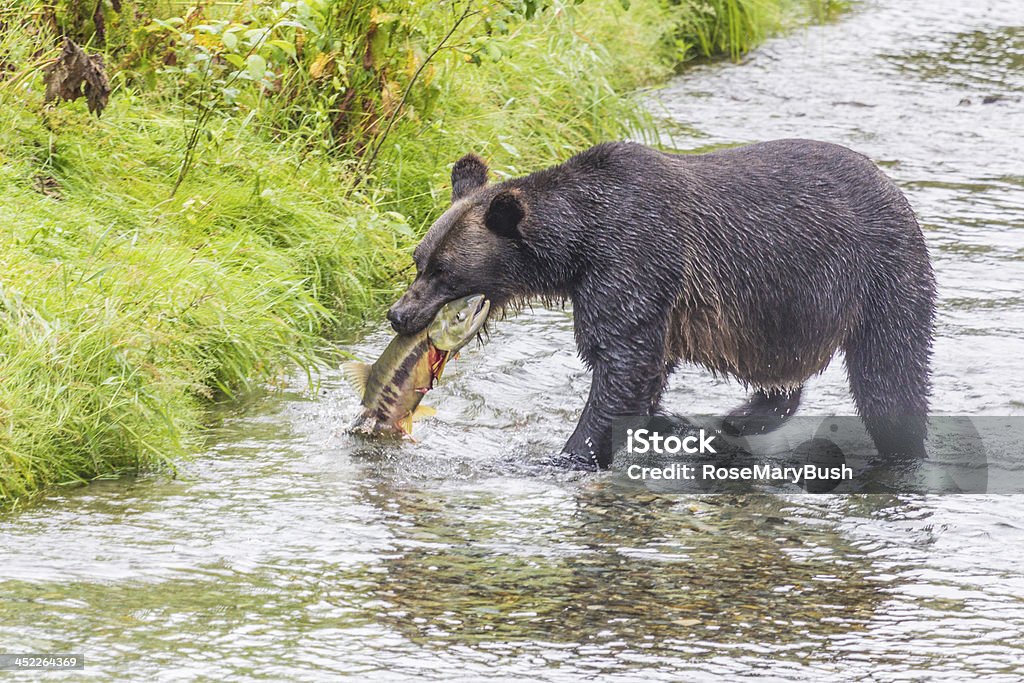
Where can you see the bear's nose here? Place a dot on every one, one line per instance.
(397, 318)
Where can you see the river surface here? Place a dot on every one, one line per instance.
(288, 551)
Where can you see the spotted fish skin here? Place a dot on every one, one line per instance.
(393, 386)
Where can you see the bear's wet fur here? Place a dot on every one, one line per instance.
(758, 262)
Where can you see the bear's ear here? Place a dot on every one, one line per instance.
(468, 173)
(505, 214)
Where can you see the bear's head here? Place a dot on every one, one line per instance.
(478, 246)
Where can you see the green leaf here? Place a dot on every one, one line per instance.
(235, 60)
(230, 40)
(284, 46)
(255, 35)
(625, 4)
(257, 67)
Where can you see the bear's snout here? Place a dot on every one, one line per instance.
(411, 313)
(399, 318)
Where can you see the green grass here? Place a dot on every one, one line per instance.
(126, 306)
(563, 87)
(121, 308)
(708, 29)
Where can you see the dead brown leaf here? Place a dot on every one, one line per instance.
(47, 185)
(75, 74)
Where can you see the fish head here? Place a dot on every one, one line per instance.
(457, 322)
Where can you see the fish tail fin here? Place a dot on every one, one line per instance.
(357, 375)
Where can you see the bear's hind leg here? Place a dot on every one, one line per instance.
(764, 411)
(887, 360)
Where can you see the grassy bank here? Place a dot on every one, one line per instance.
(256, 181)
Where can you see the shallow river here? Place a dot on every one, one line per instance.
(288, 551)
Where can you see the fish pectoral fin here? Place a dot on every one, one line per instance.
(357, 375)
(406, 424)
(422, 412)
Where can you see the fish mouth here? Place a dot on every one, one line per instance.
(481, 302)
(481, 309)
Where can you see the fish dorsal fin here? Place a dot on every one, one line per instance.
(357, 374)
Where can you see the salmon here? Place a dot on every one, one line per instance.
(393, 386)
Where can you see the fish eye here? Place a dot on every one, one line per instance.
(461, 316)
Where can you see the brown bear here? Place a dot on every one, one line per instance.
(758, 262)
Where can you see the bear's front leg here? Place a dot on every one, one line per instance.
(627, 381)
